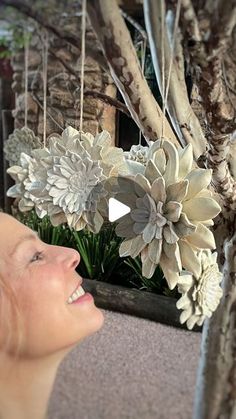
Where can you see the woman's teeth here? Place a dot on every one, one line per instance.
(76, 294)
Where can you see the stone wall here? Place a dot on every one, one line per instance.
(63, 87)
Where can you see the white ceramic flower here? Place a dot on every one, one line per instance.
(170, 211)
(65, 180)
(200, 295)
(20, 141)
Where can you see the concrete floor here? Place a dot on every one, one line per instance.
(131, 369)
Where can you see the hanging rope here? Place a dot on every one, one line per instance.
(45, 67)
(165, 91)
(26, 57)
(83, 32)
(163, 67)
(143, 58)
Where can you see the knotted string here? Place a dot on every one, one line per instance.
(83, 32)
(45, 67)
(143, 58)
(26, 59)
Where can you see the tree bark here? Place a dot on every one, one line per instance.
(216, 383)
(178, 103)
(121, 56)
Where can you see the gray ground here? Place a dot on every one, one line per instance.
(131, 369)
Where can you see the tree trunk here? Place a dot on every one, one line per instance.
(179, 107)
(121, 56)
(216, 382)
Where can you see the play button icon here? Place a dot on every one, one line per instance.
(116, 209)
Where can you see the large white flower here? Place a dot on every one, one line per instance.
(20, 141)
(65, 180)
(170, 211)
(200, 295)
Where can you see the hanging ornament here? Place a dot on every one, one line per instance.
(22, 140)
(170, 213)
(65, 180)
(201, 293)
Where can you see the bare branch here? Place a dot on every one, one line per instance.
(108, 100)
(125, 68)
(178, 103)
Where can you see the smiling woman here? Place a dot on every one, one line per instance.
(44, 314)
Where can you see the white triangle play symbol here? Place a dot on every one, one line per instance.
(116, 209)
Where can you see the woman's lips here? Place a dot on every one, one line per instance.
(79, 295)
(86, 297)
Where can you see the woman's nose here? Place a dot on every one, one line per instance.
(69, 257)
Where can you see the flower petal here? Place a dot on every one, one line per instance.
(170, 275)
(169, 234)
(140, 215)
(189, 258)
(173, 253)
(200, 209)
(172, 211)
(158, 192)
(177, 191)
(139, 227)
(149, 232)
(137, 246)
(183, 227)
(148, 268)
(125, 247)
(125, 227)
(202, 238)
(198, 179)
(135, 167)
(151, 172)
(159, 159)
(185, 160)
(143, 182)
(154, 250)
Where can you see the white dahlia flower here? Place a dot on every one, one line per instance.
(65, 180)
(20, 141)
(200, 294)
(170, 211)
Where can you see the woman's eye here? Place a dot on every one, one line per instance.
(37, 256)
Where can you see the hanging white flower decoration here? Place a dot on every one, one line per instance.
(170, 211)
(20, 141)
(65, 180)
(200, 294)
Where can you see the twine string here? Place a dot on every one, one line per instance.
(83, 33)
(165, 89)
(163, 68)
(26, 59)
(143, 58)
(45, 67)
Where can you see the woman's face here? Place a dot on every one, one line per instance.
(43, 278)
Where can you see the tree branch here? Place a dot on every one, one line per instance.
(66, 36)
(109, 101)
(224, 183)
(206, 60)
(125, 69)
(178, 103)
(96, 95)
(191, 21)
